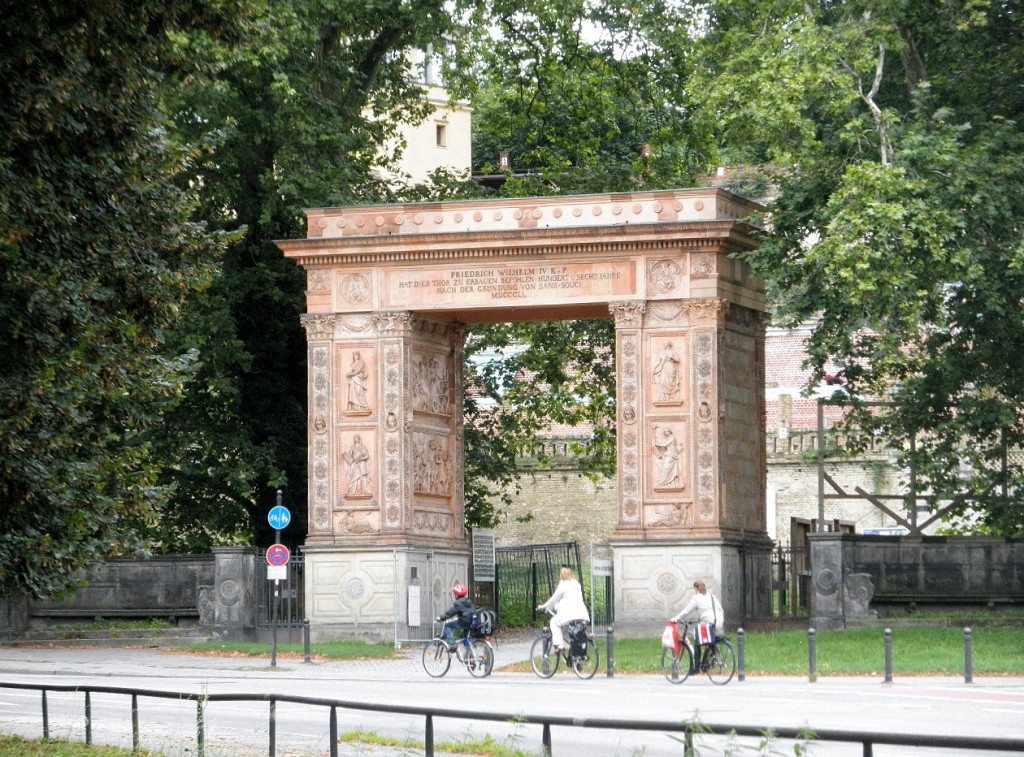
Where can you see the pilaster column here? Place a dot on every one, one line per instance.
(628, 321)
(319, 335)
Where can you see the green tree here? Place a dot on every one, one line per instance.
(97, 257)
(588, 97)
(894, 133)
(585, 97)
(297, 115)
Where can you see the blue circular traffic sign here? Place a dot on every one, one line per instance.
(277, 555)
(279, 517)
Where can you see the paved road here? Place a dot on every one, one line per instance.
(991, 707)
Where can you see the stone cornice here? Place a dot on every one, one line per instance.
(626, 240)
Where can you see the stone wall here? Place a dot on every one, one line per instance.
(856, 578)
(160, 587)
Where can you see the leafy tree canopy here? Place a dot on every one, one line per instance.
(894, 131)
(97, 257)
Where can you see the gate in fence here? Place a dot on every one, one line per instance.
(526, 576)
(287, 607)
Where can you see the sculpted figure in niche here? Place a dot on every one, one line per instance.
(358, 459)
(666, 374)
(666, 456)
(356, 377)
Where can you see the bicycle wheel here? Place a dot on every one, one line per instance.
(543, 658)
(587, 665)
(479, 659)
(436, 658)
(720, 662)
(676, 667)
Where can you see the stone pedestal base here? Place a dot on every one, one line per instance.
(654, 580)
(379, 594)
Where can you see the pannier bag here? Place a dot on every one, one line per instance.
(578, 638)
(482, 623)
(705, 633)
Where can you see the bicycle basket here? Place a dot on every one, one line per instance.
(483, 622)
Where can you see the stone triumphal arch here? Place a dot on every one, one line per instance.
(390, 292)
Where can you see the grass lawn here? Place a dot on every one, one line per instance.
(915, 651)
(333, 650)
(15, 746)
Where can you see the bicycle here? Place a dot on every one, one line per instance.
(718, 659)
(581, 655)
(477, 654)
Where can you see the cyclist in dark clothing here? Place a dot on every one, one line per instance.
(459, 615)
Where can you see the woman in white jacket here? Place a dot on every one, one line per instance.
(567, 604)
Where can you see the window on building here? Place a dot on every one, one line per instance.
(441, 134)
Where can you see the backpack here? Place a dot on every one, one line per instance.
(482, 623)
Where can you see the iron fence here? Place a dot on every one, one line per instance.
(290, 610)
(526, 576)
(687, 729)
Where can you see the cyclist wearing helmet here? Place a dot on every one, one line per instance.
(460, 614)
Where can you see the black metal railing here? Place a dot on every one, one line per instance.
(526, 576)
(688, 729)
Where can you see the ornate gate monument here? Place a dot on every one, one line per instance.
(390, 291)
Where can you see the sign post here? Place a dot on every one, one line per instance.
(277, 565)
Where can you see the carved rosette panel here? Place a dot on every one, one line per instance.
(393, 427)
(706, 477)
(628, 316)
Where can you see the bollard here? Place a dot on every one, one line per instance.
(273, 727)
(968, 656)
(812, 655)
(888, 655)
(88, 719)
(611, 651)
(305, 639)
(741, 652)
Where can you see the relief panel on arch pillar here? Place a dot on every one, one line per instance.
(669, 371)
(355, 369)
(358, 463)
(431, 382)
